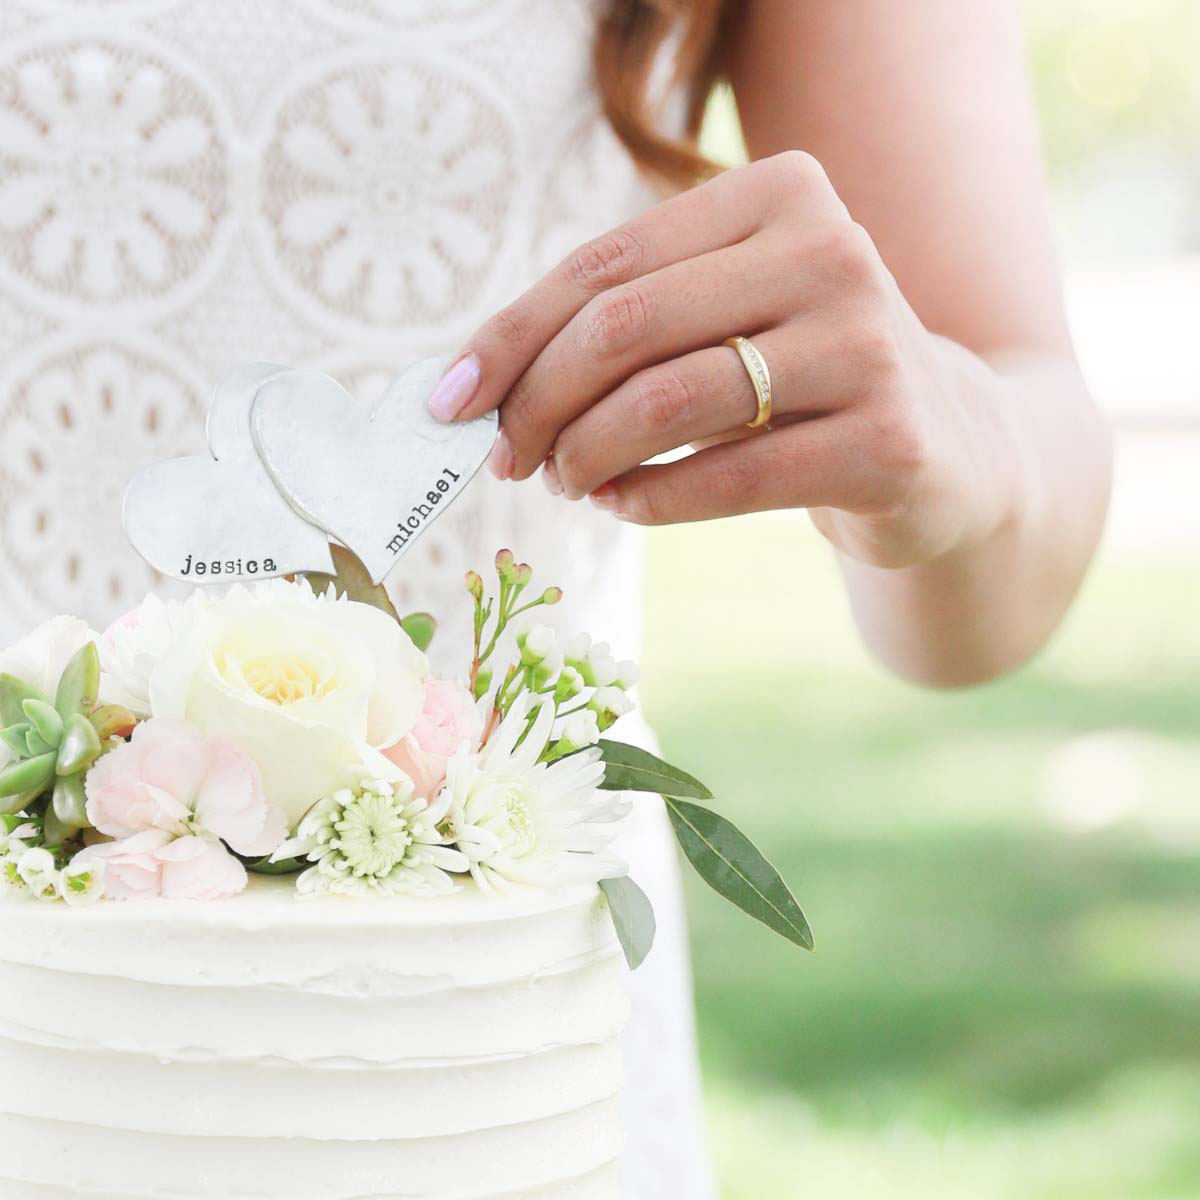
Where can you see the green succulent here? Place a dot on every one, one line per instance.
(55, 744)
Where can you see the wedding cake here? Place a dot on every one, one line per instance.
(287, 915)
(266, 1047)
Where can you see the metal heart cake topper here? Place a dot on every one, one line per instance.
(374, 483)
(221, 519)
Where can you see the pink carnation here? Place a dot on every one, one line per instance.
(174, 800)
(448, 718)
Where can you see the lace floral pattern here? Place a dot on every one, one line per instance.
(345, 184)
(386, 191)
(114, 176)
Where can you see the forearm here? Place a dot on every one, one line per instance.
(982, 609)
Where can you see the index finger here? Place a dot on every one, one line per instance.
(716, 214)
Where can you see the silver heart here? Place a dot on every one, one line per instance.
(220, 519)
(375, 483)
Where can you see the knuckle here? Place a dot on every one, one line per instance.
(518, 413)
(644, 506)
(615, 319)
(875, 348)
(662, 399)
(605, 261)
(794, 169)
(512, 327)
(901, 444)
(847, 251)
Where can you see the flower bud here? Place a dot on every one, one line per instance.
(483, 681)
(570, 684)
(552, 595)
(506, 566)
(575, 650)
(581, 729)
(628, 674)
(474, 584)
(536, 644)
(604, 670)
(609, 704)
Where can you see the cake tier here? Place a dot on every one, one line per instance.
(269, 1047)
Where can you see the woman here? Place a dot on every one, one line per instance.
(350, 184)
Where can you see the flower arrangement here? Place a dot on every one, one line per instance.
(294, 728)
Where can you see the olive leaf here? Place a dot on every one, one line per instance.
(735, 868)
(632, 917)
(631, 769)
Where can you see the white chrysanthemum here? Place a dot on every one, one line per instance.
(523, 821)
(376, 837)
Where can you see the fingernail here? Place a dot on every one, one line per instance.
(605, 497)
(502, 460)
(550, 478)
(455, 389)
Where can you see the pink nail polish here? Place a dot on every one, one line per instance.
(502, 460)
(455, 389)
(550, 478)
(605, 497)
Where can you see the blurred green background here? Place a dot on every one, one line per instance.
(1004, 883)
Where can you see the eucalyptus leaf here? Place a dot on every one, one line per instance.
(45, 720)
(734, 867)
(632, 917)
(80, 746)
(353, 581)
(631, 769)
(79, 685)
(13, 694)
(420, 626)
(69, 804)
(27, 777)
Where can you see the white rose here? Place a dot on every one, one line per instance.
(309, 686)
(41, 658)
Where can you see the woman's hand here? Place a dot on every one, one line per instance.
(897, 440)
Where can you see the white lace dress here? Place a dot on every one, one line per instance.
(348, 184)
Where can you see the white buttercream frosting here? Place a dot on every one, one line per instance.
(349, 1049)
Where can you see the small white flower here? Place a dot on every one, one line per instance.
(376, 837)
(12, 844)
(523, 821)
(39, 873)
(11, 883)
(581, 729)
(538, 644)
(569, 685)
(628, 674)
(575, 650)
(609, 703)
(82, 883)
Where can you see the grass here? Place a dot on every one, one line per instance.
(1004, 886)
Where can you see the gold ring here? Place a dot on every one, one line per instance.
(760, 377)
